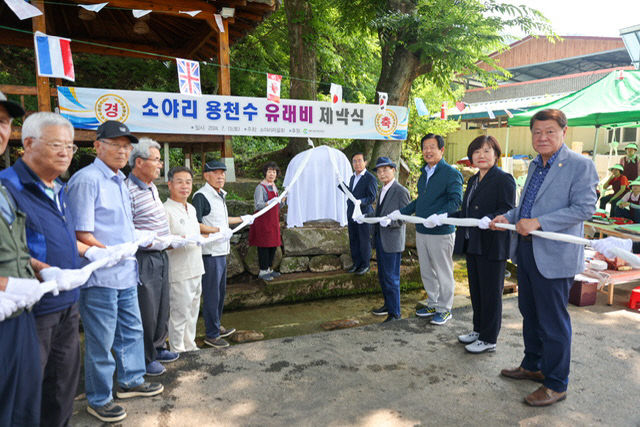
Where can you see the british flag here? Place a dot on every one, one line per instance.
(189, 77)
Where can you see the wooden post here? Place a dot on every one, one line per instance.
(42, 83)
(224, 85)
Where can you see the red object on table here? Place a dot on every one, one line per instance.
(620, 221)
(634, 299)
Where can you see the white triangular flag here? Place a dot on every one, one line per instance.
(383, 97)
(491, 115)
(191, 13)
(22, 9)
(219, 22)
(336, 95)
(93, 7)
(139, 13)
(420, 107)
(273, 87)
(310, 142)
(509, 113)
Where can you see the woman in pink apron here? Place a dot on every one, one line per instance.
(265, 230)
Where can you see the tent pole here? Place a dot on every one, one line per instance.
(509, 164)
(595, 143)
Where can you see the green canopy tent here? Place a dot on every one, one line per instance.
(613, 101)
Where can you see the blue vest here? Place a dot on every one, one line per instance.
(50, 233)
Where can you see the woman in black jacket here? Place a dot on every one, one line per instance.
(489, 193)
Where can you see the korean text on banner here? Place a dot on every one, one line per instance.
(161, 112)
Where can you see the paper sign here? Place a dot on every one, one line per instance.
(93, 7)
(219, 22)
(383, 97)
(139, 13)
(420, 107)
(22, 9)
(273, 87)
(336, 95)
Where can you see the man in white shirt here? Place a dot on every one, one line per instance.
(213, 217)
(185, 263)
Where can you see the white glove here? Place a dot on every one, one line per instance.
(483, 224)
(604, 245)
(247, 218)
(385, 221)
(144, 237)
(160, 243)
(27, 292)
(358, 202)
(7, 307)
(227, 233)
(94, 253)
(435, 220)
(123, 250)
(395, 215)
(66, 279)
(359, 219)
(178, 242)
(196, 238)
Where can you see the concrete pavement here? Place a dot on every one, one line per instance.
(403, 374)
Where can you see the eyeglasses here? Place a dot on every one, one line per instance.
(58, 147)
(156, 160)
(117, 146)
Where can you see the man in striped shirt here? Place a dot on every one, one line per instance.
(153, 263)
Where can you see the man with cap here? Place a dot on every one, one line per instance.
(363, 187)
(211, 210)
(389, 237)
(630, 162)
(100, 206)
(619, 183)
(153, 262)
(20, 373)
(439, 194)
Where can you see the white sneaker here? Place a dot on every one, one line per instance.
(468, 338)
(479, 346)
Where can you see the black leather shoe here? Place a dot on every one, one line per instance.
(391, 318)
(362, 271)
(353, 269)
(382, 311)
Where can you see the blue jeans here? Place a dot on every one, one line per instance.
(111, 320)
(214, 289)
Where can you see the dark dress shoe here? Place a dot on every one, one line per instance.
(353, 269)
(391, 318)
(520, 373)
(362, 271)
(382, 311)
(544, 396)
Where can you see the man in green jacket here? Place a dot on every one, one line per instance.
(439, 194)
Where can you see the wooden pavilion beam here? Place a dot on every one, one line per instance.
(42, 83)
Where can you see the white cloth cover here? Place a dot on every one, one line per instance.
(316, 195)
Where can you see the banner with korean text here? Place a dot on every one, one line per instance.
(161, 112)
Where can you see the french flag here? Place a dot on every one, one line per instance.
(53, 56)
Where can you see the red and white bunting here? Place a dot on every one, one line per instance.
(383, 97)
(443, 111)
(461, 106)
(509, 113)
(336, 95)
(273, 87)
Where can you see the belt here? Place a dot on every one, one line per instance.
(528, 238)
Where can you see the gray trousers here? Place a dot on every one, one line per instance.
(153, 299)
(435, 253)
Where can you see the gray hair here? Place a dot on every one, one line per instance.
(36, 122)
(141, 150)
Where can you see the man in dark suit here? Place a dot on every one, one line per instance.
(364, 188)
(389, 237)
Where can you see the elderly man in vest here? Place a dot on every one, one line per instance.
(213, 217)
(20, 374)
(153, 262)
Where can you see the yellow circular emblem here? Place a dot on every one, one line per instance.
(386, 122)
(111, 107)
